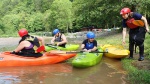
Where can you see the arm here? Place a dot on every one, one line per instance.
(82, 46)
(95, 46)
(21, 46)
(145, 22)
(94, 49)
(124, 35)
(52, 40)
(41, 40)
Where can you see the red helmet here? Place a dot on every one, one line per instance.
(125, 11)
(22, 32)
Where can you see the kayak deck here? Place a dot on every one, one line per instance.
(86, 59)
(7, 59)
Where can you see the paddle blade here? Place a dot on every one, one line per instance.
(138, 23)
(7, 52)
(40, 49)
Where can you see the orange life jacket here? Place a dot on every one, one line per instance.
(130, 23)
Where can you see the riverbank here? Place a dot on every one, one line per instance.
(138, 71)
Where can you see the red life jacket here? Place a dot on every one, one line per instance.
(130, 24)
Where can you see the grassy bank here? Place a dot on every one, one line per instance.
(135, 75)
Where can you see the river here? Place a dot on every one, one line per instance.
(108, 71)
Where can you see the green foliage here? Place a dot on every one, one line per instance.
(10, 22)
(61, 14)
(146, 43)
(46, 15)
(34, 22)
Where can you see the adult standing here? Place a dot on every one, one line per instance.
(136, 32)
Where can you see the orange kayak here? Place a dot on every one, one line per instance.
(52, 57)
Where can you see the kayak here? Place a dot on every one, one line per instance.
(87, 59)
(115, 51)
(68, 47)
(52, 57)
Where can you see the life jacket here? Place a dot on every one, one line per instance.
(59, 39)
(130, 24)
(35, 42)
(89, 45)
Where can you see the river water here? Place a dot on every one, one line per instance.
(108, 71)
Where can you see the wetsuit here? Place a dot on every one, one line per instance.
(136, 34)
(59, 39)
(89, 45)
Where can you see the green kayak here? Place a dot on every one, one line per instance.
(87, 59)
(68, 47)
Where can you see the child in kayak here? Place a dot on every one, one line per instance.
(89, 44)
(59, 38)
(28, 45)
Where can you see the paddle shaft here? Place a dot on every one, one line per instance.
(84, 52)
(50, 45)
(77, 52)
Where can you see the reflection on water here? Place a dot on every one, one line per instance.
(62, 73)
(34, 74)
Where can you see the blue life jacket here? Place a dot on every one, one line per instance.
(89, 46)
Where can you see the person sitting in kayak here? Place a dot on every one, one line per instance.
(89, 44)
(28, 45)
(59, 38)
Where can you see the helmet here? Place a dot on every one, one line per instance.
(55, 31)
(90, 35)
(125, 11)
(22, 32)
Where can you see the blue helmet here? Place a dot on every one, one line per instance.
(55, 31)
(90, 35)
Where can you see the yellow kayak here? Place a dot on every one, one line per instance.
(115, 51)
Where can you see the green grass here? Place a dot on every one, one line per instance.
(135, 75)
(115, 39)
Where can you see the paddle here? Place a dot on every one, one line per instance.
(138, 23)
(72, 52)
(41, 48)
(52, 46)
(88, 52)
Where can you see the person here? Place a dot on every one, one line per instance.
(136, 33)
(89, 44)
(59, 39)
(28, 44)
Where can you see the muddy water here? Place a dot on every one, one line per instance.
(108, 71)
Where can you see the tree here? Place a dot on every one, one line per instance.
(61, 15)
